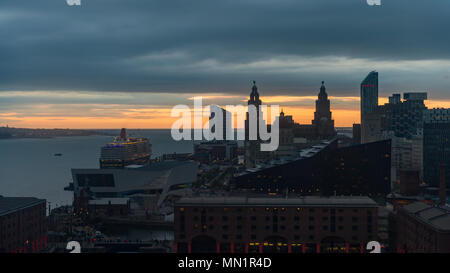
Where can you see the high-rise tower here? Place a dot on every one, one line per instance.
(369, 105)
(369, 94)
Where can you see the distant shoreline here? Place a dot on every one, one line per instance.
(20, 133)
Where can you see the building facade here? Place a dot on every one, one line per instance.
(261, 224)
(369, 101)
(436, 135)
(325, 169)
(423, 228)
(23, 227)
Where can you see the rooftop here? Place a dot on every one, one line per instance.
(437, 217)
(11, 204)
(108, 201)
(154, 176)
(312, 201)
(302, 154)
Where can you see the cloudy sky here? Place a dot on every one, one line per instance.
(126, 63)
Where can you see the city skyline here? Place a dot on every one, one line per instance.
(95, 110)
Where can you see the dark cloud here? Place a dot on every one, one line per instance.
(220, 46)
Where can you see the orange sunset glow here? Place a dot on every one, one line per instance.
(345, 112)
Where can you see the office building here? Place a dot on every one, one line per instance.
(436, 135)
(369, 102)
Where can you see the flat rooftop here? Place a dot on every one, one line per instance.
(311, 201)
(11, 204)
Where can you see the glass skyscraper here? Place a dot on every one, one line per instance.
(369, 94)
(369, 105)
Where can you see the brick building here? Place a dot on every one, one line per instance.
(423, 228)
(22, 224)
(300, 224)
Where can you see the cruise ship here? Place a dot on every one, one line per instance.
(125, 151)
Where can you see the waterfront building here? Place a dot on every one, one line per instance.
(261, 224)
(322, 121)
(252, 148)
(423, 228)
(124, 151)
(23, 227)
(157, 181)
(324, 169)
(322, 126)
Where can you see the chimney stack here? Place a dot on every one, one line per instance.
(442, 186)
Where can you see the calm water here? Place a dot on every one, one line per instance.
(28, 167)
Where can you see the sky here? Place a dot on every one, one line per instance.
(126, 63)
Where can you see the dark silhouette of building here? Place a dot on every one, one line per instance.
(322, 117)
(326, 169)
(322, 126)
(409, 182)
(261, 224)
(253, 154)
(356, 133)
(436, 149)
(286, 145)
(23, 226)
